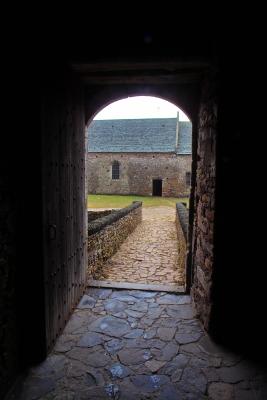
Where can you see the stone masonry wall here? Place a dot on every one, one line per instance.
(203, 230)
(137, 171)
(181, 222)
(93, 215)
(106, 235)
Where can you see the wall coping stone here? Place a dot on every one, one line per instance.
(99, 224)
(182, 214)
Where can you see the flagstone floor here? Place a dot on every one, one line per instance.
(140, 345)
(150, 254)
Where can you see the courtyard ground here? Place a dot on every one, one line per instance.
(150, 254)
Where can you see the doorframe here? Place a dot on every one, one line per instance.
(157, 180)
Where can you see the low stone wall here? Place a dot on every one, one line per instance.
(92, 215)
(182, 230)
(106, 234)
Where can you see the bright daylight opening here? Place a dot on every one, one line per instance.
(139, 174)
(141, 107)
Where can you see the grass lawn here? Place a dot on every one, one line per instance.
(114, 201)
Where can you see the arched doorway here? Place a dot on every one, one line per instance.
(152, 138)
(95, 97)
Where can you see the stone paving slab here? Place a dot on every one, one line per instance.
(150, 254)
(132, 344)
(170, 288)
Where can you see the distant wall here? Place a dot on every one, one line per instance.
(106, 234)
(137, 171)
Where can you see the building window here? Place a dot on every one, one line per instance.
(188, 178)
(115, 170)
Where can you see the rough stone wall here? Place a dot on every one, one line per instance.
(203, 230)
(107, 239)
(137, 170)
(181, 221)
(93, 215)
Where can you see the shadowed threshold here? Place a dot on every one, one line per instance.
(171, 288)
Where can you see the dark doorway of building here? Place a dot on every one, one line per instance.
(157, 187)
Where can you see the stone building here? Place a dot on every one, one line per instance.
(140, 156)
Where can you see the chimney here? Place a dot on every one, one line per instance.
(177, 133)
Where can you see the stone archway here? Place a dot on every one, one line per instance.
(182, 92)
(202, 202)
(147, 264)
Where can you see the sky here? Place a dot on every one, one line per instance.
(141, 107)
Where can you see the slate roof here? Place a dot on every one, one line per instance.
(185, 137)
(139, 136)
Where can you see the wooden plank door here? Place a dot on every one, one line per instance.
(64, 206)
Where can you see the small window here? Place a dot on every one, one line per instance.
(115, 170)
(188, 178)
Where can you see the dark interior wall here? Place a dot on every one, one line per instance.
(8, 334)
(228, 258)
(21, 317)
(239, 301)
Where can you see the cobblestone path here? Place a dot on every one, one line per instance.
(138, 345)
(149, 255)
